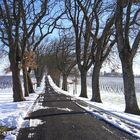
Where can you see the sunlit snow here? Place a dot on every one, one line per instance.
(112, 104)
(12, 114)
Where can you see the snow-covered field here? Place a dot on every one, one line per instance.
(12, 114)
(111, 91)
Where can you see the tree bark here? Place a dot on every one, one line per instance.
(83, 83)
(30, 84)
(129, 87)
(17, 89)
(64, 84)
(95, 83)
(25, 79)
(38, 75)
(38, 81)
(127, 53)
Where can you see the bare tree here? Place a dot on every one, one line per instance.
(128, 40)
(60, 57)
(66, 54)
(51, 62)
(12, 15)
(33, 38)
(41, 63)
(10, 25)
(34, 18)
(82, 30)
(101, 34)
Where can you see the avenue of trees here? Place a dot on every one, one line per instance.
(23, 25)
(93, 28)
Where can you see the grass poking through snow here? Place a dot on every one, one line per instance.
(3, 130)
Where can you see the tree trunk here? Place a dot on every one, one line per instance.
(38, 80)
(129, 87)
(38, 75)
(30, 85)
(17, 89)
(25, 79)
(95, 83)
(64, 84)
(83, 83)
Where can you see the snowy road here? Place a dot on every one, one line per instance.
(58, 117)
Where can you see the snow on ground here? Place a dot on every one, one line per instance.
(112, 104)
(12, 113)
